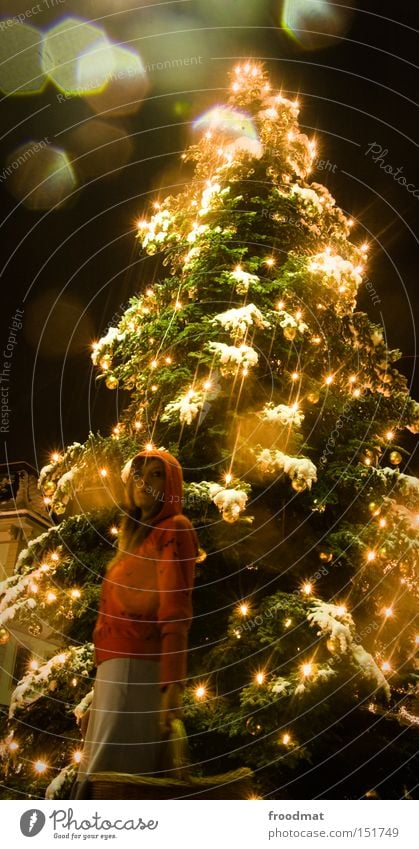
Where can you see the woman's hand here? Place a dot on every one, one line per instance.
(170, 706)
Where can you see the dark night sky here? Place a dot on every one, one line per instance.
(73, 269)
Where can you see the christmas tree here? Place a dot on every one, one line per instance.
(250, 361)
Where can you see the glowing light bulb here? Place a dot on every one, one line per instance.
(13, 746)
(200, 692)
(280, 305)
(244, 609)
(352, 378)
(329, 379)
(34, 665)
(260, 677)
(307, 588)
(44, 567)
(77, 757)
(341, 610)
(33, 587)
(228, 477)
(365, 247)
(287, 623)
(154, 387)
(356, 393)
(417, 639)
(207, 385)
(138, 425)
(153, 364)
(298, 315)
(178, 305)
(74, 682)
(55, 457)
(40, 767)
(295, 375)
(149, 293)
(270, 261)
(388, 612)
(55, 557)
(307, 669)
(390, 435)
(104, 473)
(75, 593)
(245, 371)
(316, 340)
(386, 666)
(149, 446)
(168, 360)
(51, 597)
(371, 556)
(156, 205)
(61, 658)
(286, 738)
(114, 530)
(47, 501)
(382, 523)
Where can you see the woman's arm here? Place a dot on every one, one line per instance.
(176, 572)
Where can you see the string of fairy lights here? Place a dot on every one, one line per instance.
(328, 265)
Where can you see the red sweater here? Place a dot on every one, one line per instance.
(146, 607)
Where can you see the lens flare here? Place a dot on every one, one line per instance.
(78, 57)
(99, 148)
(40, 175)
(126, 86)
(227, 122)
(20, 64)
(314, 25)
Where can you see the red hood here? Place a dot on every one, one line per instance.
(173, 492)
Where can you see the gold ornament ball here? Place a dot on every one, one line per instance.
(313, 397)
(253, 726)
(372, 506)
(326, 556)
(395, 458)
(112, 382)
(290, 333)
(299, 485)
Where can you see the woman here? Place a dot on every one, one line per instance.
(141, 633)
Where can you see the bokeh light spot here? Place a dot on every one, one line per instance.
(126, 86)
(99, 148)
(20, 58)
(318, 24)
(227, 122)
(40, 175)
(77, 56)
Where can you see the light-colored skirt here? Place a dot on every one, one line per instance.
(123, 733)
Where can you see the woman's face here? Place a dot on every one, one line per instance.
(149, 485)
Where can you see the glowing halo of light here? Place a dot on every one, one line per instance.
(20, 64)
(77, 56)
